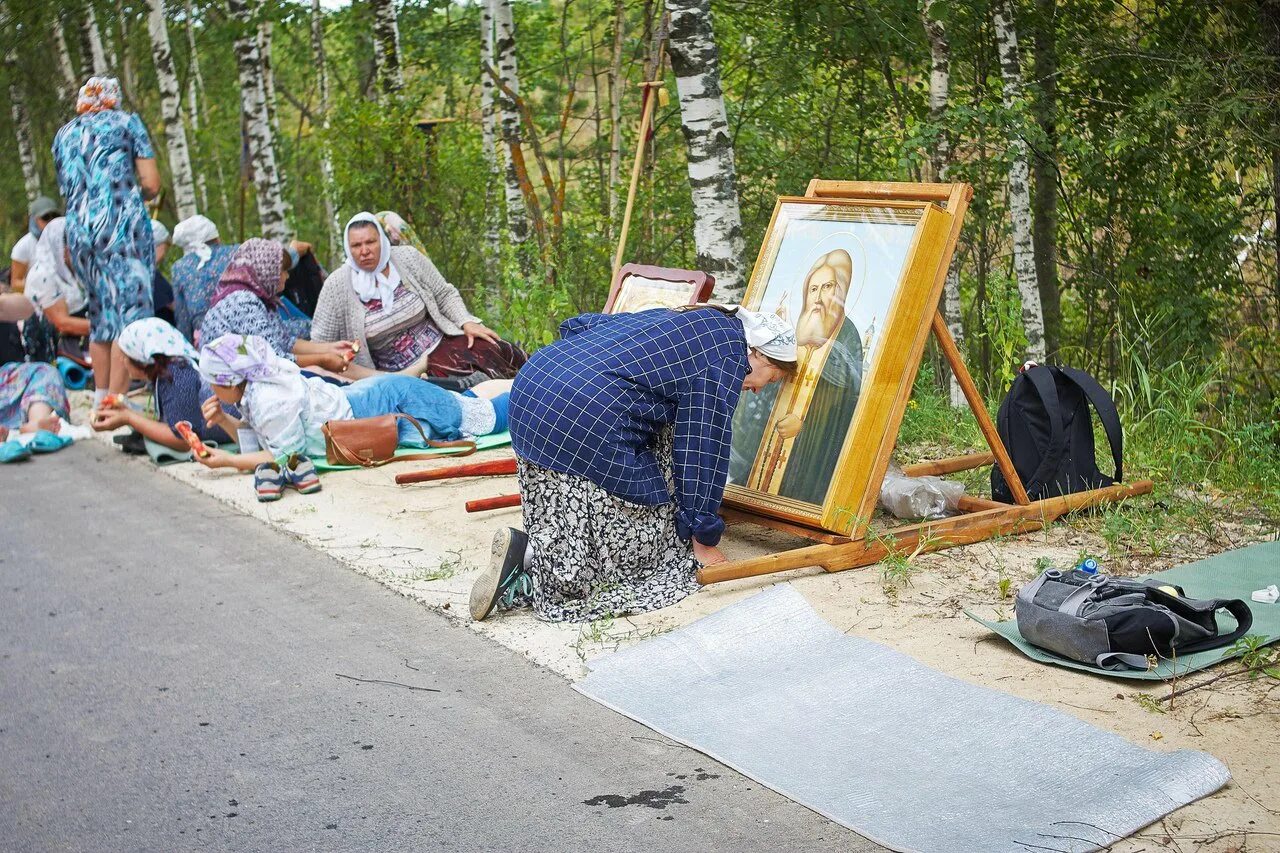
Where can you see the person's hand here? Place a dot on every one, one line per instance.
(214, 416)
(105, 420)
(708, 555)
(217, 458)
(334, 362)
(346, 349)
(300, 247)
(479, 330)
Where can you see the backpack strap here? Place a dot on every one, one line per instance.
(1244, 621)
(1107, 414)
(1041, 378)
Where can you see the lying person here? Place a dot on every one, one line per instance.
(288, 411)
(158, 353)
(621, 431)
(400, 309)
(247, 300)
(32, 397)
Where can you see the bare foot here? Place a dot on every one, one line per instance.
(51, 423)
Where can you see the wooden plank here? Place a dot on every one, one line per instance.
(969, 503)
(926, 537)
(491, 468)
(738, 516)
(880, 189)
(950, 465)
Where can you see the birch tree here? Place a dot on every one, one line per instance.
(326, 157)
(940, 162)
(273, 213)
(615, 111)
(717, 233)
(91, 37)
(489, 136)
(184, 193)
(18, 110)
(70, 79)
(265, 34)
(386, 46)
(1044, 169)
(1024, 262)
(195, 87)
(504, 52)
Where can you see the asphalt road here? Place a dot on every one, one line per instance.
(168, 681)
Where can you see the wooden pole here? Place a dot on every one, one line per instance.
(499, 502)
(492, 468)
(646, 116)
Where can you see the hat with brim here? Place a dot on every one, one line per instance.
(42, 207)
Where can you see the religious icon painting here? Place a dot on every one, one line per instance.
(860, 280)
(638, 287)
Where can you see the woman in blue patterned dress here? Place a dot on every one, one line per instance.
(106, 168)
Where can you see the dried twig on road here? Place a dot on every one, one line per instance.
(383, 681)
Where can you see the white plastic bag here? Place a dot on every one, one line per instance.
(918, 497)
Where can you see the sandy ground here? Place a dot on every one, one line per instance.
(418, 541)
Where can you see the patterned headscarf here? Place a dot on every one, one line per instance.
(232, 359)
(768, 333)
(143, 340)
(98, 94)
(193, 235)
(370, 285)
(254, 267)
(399, 232)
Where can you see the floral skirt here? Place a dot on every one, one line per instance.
(22, 385)
(596, 555)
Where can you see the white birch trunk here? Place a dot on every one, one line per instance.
(125, 65)
(265, 34)
(18, 110)
(184, 192)
(940, 160)
(717, 230)
(70, 80)
(615, 111)
(326, 158)
(195, 85)
(489, 137)
(386, 46)
(504, 51)
(93, 37)
(1024, 262)
(273, 213)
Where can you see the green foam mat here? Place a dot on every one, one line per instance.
(484, 442)
(1233, 574)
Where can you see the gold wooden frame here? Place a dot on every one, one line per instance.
(849, 499)
(980, 519)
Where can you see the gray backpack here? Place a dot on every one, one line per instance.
(1116, 623)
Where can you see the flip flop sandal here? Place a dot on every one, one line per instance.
(47, 442)
(13, 451)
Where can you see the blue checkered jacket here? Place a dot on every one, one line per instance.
(593, 403)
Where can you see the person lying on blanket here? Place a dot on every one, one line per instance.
(288, 411)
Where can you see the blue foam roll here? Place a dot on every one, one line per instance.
(74, 376)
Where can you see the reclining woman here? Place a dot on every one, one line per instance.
(400, 309)
(288, 411)
(246, 303)
(158, 353)
(32, 398)
(621, 431)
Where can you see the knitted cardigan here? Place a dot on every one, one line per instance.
(340, 314)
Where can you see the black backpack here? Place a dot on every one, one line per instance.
(1046, 425)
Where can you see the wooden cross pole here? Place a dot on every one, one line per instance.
(646, 117)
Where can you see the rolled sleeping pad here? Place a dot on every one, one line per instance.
(74, 376)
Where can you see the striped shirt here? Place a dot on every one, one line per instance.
(592, 404)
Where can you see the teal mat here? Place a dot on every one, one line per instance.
(484, 442)
(1234, 574)
(162, 455)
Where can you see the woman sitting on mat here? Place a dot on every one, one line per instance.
(32, 398)
(288, 410)
(158, 353)
(59, 299)
(398, 306)
(621, 431)
(246, 303)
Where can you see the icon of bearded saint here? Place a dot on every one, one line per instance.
(831, 346)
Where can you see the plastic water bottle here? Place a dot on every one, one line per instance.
(1088, 566)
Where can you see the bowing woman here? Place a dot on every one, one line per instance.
(621, 431)
(398, 306)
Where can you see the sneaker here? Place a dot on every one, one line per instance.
(132, 444)
(506, 567)
(268, 482)
(301, 474)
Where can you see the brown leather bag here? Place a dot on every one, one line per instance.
(370, 442)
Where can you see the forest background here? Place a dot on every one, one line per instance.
(1144, 136)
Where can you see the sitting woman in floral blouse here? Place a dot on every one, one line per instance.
(397, 305)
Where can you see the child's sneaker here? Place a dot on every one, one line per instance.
(268, 482)
(301, 474)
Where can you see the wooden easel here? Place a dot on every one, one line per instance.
(981, 519)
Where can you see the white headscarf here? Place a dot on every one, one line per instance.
(768, 333)
(193, 235)
(143, 340)
(375, 284)
(50, 251)
(159, 233)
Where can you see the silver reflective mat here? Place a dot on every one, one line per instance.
(879, 743)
